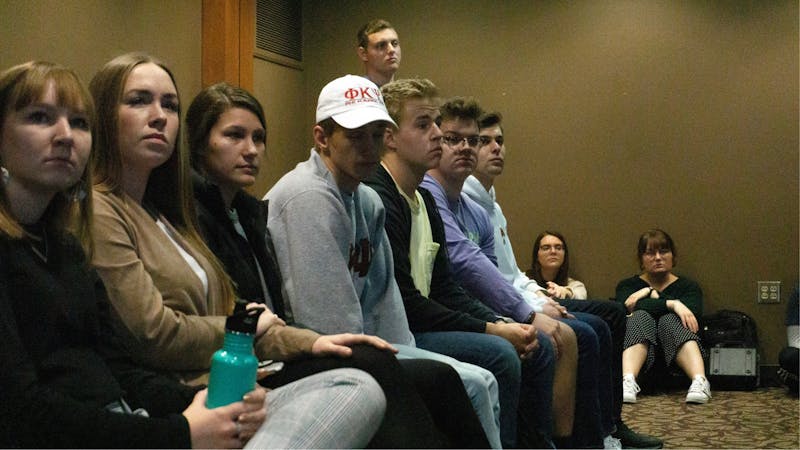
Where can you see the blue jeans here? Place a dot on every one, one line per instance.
(613, 314)
(479, 383)
(594, 397)
(499, 356)
(536, 399)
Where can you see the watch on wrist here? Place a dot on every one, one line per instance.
(530, 317)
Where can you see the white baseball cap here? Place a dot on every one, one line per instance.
(352, 102)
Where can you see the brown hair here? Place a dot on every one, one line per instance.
(169, 189)
(657, 239)
(107, 88)
(329, 126)
(461, 108)
(20, 86)
(535, 271)
(205, 111)
(373, 26)
(489, 120)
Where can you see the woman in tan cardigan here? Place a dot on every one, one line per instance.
(167, 288)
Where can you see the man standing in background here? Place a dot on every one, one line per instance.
(379, 51)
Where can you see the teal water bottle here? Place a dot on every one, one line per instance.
(234, 366)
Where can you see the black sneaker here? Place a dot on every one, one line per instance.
(632, 439)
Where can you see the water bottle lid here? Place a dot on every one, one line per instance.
(244, 320)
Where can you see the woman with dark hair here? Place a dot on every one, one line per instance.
(66, 381)
(663, 310)
(550, 267)
(170, 292)
(227, 134)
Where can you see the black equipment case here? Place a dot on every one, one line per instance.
(731, 339)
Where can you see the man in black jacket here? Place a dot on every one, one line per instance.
(434, 302)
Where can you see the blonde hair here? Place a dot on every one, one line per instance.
(21, 85)
(396, 93)
(169, 188)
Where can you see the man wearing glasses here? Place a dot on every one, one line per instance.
(442, 316)
(480, 187)
(470, 243)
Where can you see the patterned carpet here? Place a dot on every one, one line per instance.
(766, 418)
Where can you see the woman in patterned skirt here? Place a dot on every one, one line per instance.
(662, 315)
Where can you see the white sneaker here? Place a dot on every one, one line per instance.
(629, 388)
(699, 391)
(611, 443)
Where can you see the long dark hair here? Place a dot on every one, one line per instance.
(535, 271)
(206, 109)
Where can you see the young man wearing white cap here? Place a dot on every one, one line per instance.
(330, 241)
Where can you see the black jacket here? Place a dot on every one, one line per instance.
(239, 255)
(448, 307)
(64, 360)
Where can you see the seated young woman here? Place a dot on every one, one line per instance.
(166, 288)
(67, 381)
(227, 131)
(550, 267)
(663, 310)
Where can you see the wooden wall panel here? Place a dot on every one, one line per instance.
(228, 35)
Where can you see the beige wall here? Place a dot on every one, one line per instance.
(85, 34)
(280, 90)
(620, 116)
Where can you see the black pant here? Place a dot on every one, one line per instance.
(426, 403)
(789, 359)
(613, 314)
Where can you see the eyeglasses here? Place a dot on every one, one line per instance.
(454, 139)
(650, 253)
(486, 140)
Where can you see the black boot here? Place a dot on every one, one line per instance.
(632, 439)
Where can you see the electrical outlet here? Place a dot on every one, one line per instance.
(769, 292)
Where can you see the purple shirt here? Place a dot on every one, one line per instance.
(470, 244)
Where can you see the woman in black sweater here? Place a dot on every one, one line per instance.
(426, 403)
(63, 371)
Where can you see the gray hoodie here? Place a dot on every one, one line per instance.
(334, 255)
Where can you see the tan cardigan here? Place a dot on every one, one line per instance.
(161, 300)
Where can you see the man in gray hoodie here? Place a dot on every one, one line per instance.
(332, 249)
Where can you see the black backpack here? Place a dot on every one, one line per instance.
(729, 329)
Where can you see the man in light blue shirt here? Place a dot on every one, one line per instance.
(480, 187)
(470, 243)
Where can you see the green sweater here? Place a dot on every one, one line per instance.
(683, 289)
